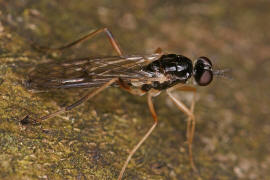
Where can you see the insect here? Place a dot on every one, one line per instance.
(137, 74)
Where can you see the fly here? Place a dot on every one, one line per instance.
(137, 74)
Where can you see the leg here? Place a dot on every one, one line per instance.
(192, 122)
(87, 36)
(154, 115)
(188, 89)
(77, 103)
(128, 88)
(191, 118)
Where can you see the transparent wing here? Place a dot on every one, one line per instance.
(89, 72)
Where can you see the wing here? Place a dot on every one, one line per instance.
(89, 72)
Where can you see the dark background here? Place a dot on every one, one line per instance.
(233, 129)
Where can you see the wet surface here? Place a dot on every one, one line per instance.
(92, 142)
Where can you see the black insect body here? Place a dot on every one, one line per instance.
(139, 75)
(179, 69)
(160, 74)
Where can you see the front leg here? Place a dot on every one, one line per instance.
(191, 118)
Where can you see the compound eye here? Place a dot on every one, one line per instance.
(203, 74)
(204, 78)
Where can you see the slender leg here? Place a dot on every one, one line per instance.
(191, 118)
(154, 115)
(83, 38)
(190, 131)
(187, 89)
(128, 88)
(77, 103)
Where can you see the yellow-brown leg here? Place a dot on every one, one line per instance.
(128, 88)
(188, 89)
(84, 38)
(77, 103)
(191, 118)
(132, 152)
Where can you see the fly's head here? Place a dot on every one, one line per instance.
(202, 71)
